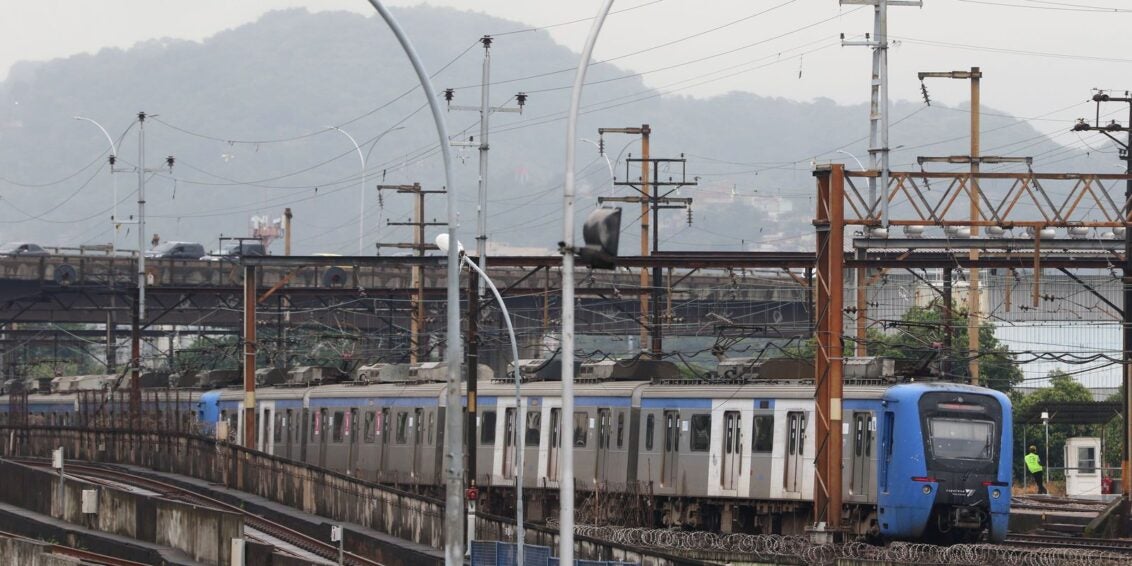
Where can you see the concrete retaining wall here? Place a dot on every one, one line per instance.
(30, 553)
(200, 532)
(336, 496)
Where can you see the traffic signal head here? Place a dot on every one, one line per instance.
(601, 232)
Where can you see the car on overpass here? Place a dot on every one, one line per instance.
(22, 249)
(236, 250)
(176, 250)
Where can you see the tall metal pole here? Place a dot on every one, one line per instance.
(566, 487)
(520, 420)
(645, 196)
(1126, 465)
(973, 301)
(485, 113)
(878, 100)
(362, 196)
(657, 344)
(454, 426)
(141, 216)
(249, 355)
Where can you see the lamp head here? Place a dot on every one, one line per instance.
(442, 243)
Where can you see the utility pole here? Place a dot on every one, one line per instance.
(644, 131)
(878, 101)
(419, 246)
(1108, 130)
(974, 302)
(135, 347)
(485, 110)
(652, 199)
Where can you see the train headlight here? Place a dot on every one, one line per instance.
(927, 489)
(995, 493)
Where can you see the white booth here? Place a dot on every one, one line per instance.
(1082, 476)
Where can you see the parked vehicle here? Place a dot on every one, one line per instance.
(236, 250)
(176, 250)
(22, 249)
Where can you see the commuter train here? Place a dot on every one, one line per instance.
(921, 460)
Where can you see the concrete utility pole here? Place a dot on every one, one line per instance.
(655, 201)
(139, 320)
(485, 110)
(1125, 146)
(419, 246)
(974, 301)
(878, 101)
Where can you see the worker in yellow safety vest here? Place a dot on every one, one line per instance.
(1034, 466)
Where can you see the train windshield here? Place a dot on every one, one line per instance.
(961, 439)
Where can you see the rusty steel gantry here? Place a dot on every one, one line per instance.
(933, 199)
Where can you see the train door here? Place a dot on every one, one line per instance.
(265, 429)
(384, 433)
(417, 425)
(861, 453)
(732, 453)
(795, 449)
(351, 441)
(671, 448)
(555, 444)
(323, 424)
(604, 428)
(288, 433)
(509, 443)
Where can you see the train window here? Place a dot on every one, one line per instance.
(650, 428)
(402, 428)
(383, 426)
(352, 426)
(961, 439)
(701, 433)
(289, 424)
(417, 422)
(277, 434)
(431, 426)
(534, 428)
(370, 426)
(620, 429)
(764, 434)
(580, 432)
(487, 428)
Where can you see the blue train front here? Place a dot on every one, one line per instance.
(947, 451)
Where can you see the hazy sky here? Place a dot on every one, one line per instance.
(1040, 57)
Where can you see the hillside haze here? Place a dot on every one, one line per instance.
(245, 114)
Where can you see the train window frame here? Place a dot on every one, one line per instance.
(650, 431)
(699, 440)
(762, 436)
(581, 418)
(370, 434)
(401, 436)
(620, 430)
(487, 428)
(533, 425)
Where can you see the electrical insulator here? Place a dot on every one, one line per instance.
(689, 216)
(522, 99)
(449, 94)
(600, 146)
(169, 162)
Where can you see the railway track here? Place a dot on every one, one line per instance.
(1122, 546)
(175, 492)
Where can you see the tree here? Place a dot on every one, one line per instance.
(1063, 388)
(921, 330)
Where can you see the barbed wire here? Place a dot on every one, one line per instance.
(755, 548)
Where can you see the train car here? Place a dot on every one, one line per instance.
(921, 461)
(947, 463)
